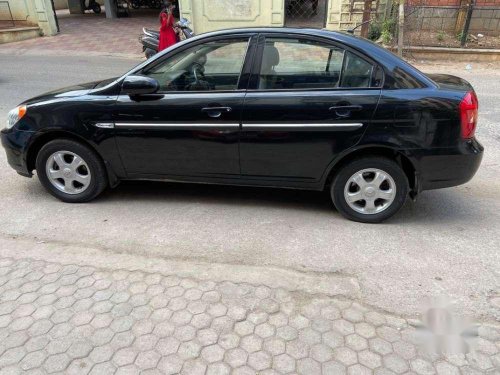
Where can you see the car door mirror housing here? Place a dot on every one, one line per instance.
(139, 85)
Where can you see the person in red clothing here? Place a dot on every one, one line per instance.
(168, 37)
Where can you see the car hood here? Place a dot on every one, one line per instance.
(66, 92)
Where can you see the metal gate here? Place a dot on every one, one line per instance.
(306, 13)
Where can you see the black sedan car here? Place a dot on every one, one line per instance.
(291, 108)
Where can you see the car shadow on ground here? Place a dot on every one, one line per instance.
(438, 206)
(220, 194)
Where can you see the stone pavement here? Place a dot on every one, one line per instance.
(77, 319)
(90, 34)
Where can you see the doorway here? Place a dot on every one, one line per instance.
(306, 13)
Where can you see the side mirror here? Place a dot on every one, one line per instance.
(139, 85)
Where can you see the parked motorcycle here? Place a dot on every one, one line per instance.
(93, 6)
(155, 4)
(150, 39)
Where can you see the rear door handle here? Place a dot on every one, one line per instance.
(349, 108)
(344, 111)
(215, 111)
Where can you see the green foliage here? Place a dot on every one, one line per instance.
(374, 31)
(440, 36)
(386, 37)
(385, 29)
(389, 25)
(460, 35)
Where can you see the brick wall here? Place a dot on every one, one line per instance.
(441, 3)
(435, 15)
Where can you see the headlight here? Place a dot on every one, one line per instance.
(15, 115)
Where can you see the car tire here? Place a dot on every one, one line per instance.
(80, 180)
(369, 189)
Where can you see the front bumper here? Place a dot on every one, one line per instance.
(15, 143)
(441, 168)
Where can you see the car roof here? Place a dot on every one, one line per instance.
(382, 55)
(377, 53)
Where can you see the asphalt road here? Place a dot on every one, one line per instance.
(446, 244)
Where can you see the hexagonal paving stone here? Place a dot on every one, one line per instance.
(308, 366)
(218, 369)
(345, 355)
(251, 343)
(388, 333)
(103, 368)
(33, 360)
(194, 367)
(395, 363)
(189, 350)
(321, 353)
(125, 356)
(284, 363)
(148, 359)
(229, 341)
(168, 345)
(334, 367)
(274, 346)
(380, 346)
(171, 364)
(56, 363)
(369, 359)
(244, 328)
(356, 342)
(309, 336)
(212, 353)
(236, 357)
(259, 360)
(79, 349)
(287, 333)
(358, 370)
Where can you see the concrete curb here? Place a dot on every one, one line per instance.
(275, 277)
(457, 54)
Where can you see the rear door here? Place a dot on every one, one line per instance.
(308, 101)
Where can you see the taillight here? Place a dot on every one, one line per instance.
(468, 114)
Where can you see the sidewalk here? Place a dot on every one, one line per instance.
(90, 34)
(66, 317)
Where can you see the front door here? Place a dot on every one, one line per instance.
(308, 101)
(191, 126)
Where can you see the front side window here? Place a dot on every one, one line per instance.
(213, 66)
(305, 64)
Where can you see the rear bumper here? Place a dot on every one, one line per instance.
(15, 143)
(441, 168)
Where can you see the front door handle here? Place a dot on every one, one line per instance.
(345, 110)
(215, 112)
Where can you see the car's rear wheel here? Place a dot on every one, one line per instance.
(71, 171)
(369, 189)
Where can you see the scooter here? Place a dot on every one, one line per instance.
(155, 4)
(93, 6)
(150, 39)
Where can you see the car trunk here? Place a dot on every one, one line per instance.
(449, 82)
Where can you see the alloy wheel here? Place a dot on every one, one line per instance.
(370, 191)
(68, 172)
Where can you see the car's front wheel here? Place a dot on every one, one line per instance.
(369, 189)
(71, 171)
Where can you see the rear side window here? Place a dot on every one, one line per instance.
(403, 80)
(357, 72)
(289, 63)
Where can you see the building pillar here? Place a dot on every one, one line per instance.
(110, 6)
(45, 17)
